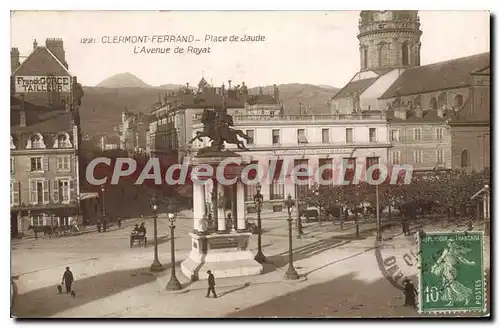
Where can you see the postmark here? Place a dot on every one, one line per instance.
(451, 273)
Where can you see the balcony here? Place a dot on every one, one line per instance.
(378, 116)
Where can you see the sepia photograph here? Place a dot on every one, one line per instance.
(250, 164)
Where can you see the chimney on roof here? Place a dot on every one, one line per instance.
(35, 44)
(229, 84)
(56, 47)
(14, 59)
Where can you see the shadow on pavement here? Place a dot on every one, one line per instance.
(46, 301)
(344, 296)
(245, 285)
(299, 253)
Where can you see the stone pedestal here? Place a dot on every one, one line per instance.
(225, 255)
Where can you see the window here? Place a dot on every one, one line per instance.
(14, 193)
(276, 136)
(365, 57)
(301, 136)
(439, 156)
(439, 134)
(61, 191)
(348, 135)
(433, 103)
(36, 164)
(276, 190)
(325, 135)
(373, 135)
(35, 142)
(63, 163)
(327, 173)
(465, 160)
(37, 220)
(12, 165)
(395, 157)
(370, 161)
(304, 168)
(39, 191)
(383, 54)
(417, 157)
(417, 134)
(250, 191)
(394, 135)
(350, 168)
(405, 52)
(62, 141)
(251, 137)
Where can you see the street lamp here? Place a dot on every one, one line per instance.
(316, 193)
(258, 200)
(379, 236)
(156, 265)
(299, 221)
(291, 273)
(102, 201)
(173, 283)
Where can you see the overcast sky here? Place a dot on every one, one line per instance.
(313, 47)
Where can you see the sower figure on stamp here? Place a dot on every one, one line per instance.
(410, 293)
(67, 280)
(211, 284)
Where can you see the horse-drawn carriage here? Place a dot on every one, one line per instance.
(138, 237)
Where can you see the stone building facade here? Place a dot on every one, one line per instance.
(45, 139)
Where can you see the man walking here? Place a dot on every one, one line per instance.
(211, 284)
(67, 279)
(410, 292)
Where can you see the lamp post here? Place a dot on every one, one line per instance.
(258, 200)
(291, 273)
(316, 193)
(103, 212)
(173, 283)
(379, 236)
(156, 265)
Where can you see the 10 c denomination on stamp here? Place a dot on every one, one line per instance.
(451, 274)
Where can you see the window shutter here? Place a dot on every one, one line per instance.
(45, 160)
(16, 199)
(55, 191)
(28, 166)
(33, 198)
(46, 194)
(72, 196)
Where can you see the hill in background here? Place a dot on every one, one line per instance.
(103, 104)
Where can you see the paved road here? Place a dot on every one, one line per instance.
(340, 277)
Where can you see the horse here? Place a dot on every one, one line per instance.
(207, 118)
(46, 229)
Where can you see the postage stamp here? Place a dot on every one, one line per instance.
(451, 274)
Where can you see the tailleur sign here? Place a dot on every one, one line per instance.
(43, 84)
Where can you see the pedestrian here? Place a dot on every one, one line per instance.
(104, 225)
(67, 280)
(98, 225)
(211, 284)
(410, 293)
(119, 223)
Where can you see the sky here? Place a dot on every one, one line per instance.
(315, 47)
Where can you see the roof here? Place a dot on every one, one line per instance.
(262, 100)
(39, 118)
(33, 66)
(449, 74)
(354, 86)
(428, 116)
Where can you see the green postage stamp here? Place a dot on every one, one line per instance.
(451, 273)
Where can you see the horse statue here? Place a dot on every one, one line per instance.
(217, 127)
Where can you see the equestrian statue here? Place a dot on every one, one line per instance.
(217, 126)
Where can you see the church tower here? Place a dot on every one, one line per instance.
(389, 39)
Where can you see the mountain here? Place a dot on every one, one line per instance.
(101, 107)
(123, 80)
(294, 94)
